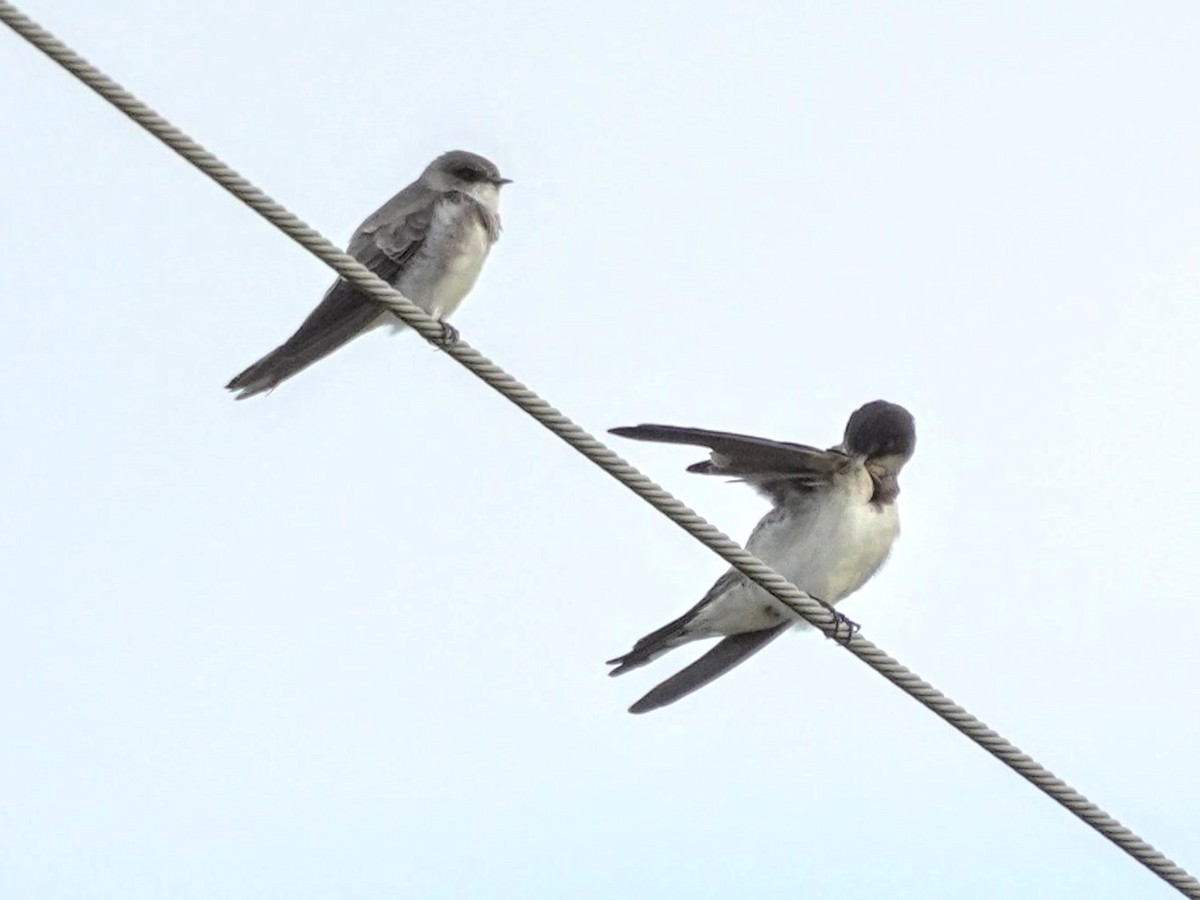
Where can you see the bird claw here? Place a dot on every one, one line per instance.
(448, 338)
(840, 621)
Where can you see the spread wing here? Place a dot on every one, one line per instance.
(775, 468)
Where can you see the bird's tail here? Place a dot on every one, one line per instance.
(654, 645)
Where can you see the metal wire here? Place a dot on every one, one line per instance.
(491, 374)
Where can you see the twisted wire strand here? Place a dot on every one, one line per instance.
(591, 448)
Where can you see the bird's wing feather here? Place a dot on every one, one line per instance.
(413, 200)
(730, 652)
(775, 468)
(386, 248)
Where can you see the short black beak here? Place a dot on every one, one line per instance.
(500, 182)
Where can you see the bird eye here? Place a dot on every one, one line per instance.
(466, 173)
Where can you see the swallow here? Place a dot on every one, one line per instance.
(429, 242)
(832, 524)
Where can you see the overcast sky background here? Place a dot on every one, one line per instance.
(347, 640)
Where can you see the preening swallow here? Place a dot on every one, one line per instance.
(832, 523)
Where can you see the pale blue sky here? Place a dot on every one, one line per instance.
(347, 640)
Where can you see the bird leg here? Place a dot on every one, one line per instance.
(839, 621)
(448, 338)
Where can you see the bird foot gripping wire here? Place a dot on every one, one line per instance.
(839, 622)
(448, 337)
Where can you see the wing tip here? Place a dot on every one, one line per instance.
(626, 431)
(729, 653)
(674, 688)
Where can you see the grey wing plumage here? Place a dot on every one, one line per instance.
(730, 652)
(384, 243)
(775, 468)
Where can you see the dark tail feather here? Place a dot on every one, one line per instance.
(653, 645)
(716, 662)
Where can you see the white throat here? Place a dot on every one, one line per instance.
(486, 193)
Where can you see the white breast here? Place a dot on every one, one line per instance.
(828, 545)
(445, 270)
(839, 546)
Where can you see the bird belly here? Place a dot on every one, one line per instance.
(834, 561)
(744, 607)
(828, 550)
(448, 264)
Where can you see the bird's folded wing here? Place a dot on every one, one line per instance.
(388, 243)
(386, 248)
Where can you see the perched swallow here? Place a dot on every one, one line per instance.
(429, 242)
(832, 524)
